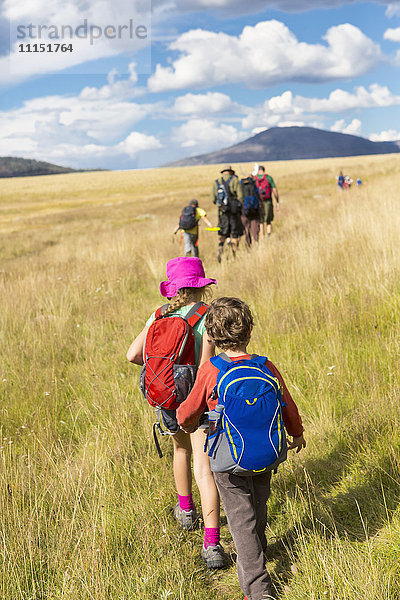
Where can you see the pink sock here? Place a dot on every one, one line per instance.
(211, 536)
(186, 502)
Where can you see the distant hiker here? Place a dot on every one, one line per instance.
(267, 191)
(347, 182)
(253, 210)
(340, 181)
(228, 196)
(359, 181)
(189, 224)
(248, 400)
(171, 345)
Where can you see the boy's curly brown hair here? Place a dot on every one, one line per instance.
(229, 323)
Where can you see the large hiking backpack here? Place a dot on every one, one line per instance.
(226, 202)
(264, 188)
(247, 434)
(169, 366)
(188, 220)
(251, 199)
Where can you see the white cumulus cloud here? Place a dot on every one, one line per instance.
(263, 55)
(75, 130)
(352, 128)
(393, 35)
(290, 106)
(206, 135)
(203, 104)
(138, 142)
(393, 9)
(388, 135)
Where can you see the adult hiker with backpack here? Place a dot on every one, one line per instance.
(227, 194)
(253, 210)
(268, 191)
(170, 347)
(250, 407)
(189, 224)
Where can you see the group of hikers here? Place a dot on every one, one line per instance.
(344, 182)
(230, 409)
(245, 207)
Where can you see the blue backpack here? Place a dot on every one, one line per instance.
(247, 434)
(251, 199)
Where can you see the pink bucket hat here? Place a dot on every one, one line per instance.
(184, 271)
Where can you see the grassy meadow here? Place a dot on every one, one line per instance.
(84, 498)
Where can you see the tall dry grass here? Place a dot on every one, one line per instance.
(84, 498)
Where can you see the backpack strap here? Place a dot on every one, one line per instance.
(260, 360)
(226, 184)
(221, 362)
(160, 311)
(196, 313)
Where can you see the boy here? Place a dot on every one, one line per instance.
(229, 324)
(191, 236)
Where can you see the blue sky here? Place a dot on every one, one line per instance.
(209, 74)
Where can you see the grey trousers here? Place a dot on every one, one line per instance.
(190, 240)
(244, 500)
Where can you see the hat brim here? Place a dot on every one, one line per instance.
(169, 289)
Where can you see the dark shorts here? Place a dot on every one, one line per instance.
(230, 225)
(167, 418)
(269, 212)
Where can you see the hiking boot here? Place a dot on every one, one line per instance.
(187, 519)
(214, 557)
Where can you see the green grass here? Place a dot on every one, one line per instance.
(84, 498)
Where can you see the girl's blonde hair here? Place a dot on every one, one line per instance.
(186, 296)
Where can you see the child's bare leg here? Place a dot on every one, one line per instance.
(205, 480)
(182, 463)
(212, 552)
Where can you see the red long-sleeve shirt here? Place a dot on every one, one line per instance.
(190, 410)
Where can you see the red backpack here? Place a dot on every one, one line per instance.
(169, 366)
(264, 188)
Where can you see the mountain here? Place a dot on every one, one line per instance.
(12, 166)
(290, 143)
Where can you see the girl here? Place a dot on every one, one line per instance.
(187, 285)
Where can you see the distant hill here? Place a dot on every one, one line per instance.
(12, 166)
(291, 143)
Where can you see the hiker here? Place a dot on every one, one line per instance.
(189, 224)
(252, 214)
(267, 189)
(185, 289)
(347, 182)
(227, 194)
(340, 181)
(253, 390)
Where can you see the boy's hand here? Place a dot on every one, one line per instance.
(297, 444)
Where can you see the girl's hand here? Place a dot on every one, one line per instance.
(297, 444)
